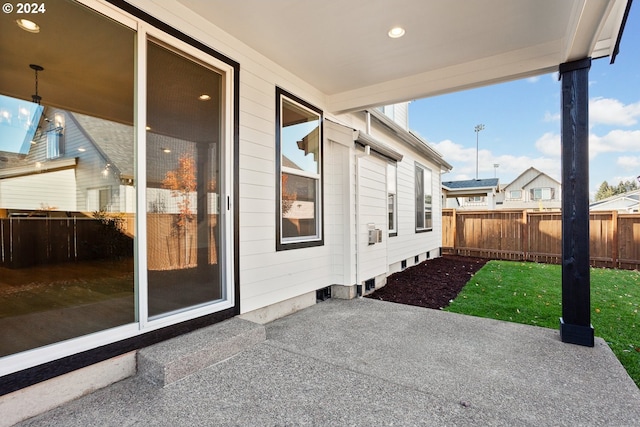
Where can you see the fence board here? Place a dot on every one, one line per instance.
(537, 236)
(629, 241)
(31, 241)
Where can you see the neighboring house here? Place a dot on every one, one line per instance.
(532, 189)
(245, 143)
(470, 194)
(628, 202)
(65, 158)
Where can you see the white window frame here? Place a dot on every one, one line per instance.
(423, 190)
(54, 144)
(392, 197)
(93, 199)
(545, 193)
(518, 192)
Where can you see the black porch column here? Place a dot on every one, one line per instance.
(575, 323)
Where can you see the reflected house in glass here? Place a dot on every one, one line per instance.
(86, 171)
(183, 174)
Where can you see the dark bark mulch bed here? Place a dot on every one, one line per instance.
(432, 283)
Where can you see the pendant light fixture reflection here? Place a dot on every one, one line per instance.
(36, 98)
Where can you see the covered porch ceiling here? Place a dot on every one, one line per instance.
(342, 47)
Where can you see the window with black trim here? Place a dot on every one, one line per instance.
(424, 214)
(299, 164)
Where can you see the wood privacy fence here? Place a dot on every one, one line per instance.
(30, 241)
(537, 236)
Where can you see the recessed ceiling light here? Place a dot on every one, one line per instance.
(204, 97)
(27, 25)
(396, 32)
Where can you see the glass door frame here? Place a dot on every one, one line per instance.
(149, 33)
(25, 368)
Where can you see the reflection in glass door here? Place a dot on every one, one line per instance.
(184, 121)
(67, 196)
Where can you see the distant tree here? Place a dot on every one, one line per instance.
(182, 183)
(605, 191)
(287, 197)
(625, 187)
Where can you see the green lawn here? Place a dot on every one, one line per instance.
(530, 293)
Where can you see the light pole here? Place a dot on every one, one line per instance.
(495, 169)
(477, 130)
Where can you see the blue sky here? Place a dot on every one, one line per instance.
(522, 122)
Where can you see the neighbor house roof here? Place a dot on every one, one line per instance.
(470, 187)
(412, 139)
(536, 174)
(113, 140)
(471, 184)
(625, 200)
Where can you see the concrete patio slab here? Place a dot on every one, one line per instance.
(366, 362)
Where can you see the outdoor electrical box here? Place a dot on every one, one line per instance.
(375, 234)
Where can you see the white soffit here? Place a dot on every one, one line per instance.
(341, 47)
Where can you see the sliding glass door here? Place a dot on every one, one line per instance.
(184, 101)
(67, 173)
(104, 116)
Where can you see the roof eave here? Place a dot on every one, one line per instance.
(411, 139)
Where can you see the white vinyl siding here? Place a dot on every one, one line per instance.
(531, 187)
(407, 244)
(338, 207)
(268, 276)
(34, 191)
(371, 211)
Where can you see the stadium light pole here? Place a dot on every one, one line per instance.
(477, 130)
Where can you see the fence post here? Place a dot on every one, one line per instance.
(615, 250)
(525, 234)
(454, 220)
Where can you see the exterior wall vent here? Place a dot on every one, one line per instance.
(370, 285)
(323, 294)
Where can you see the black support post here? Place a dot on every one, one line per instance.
(575, 323)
